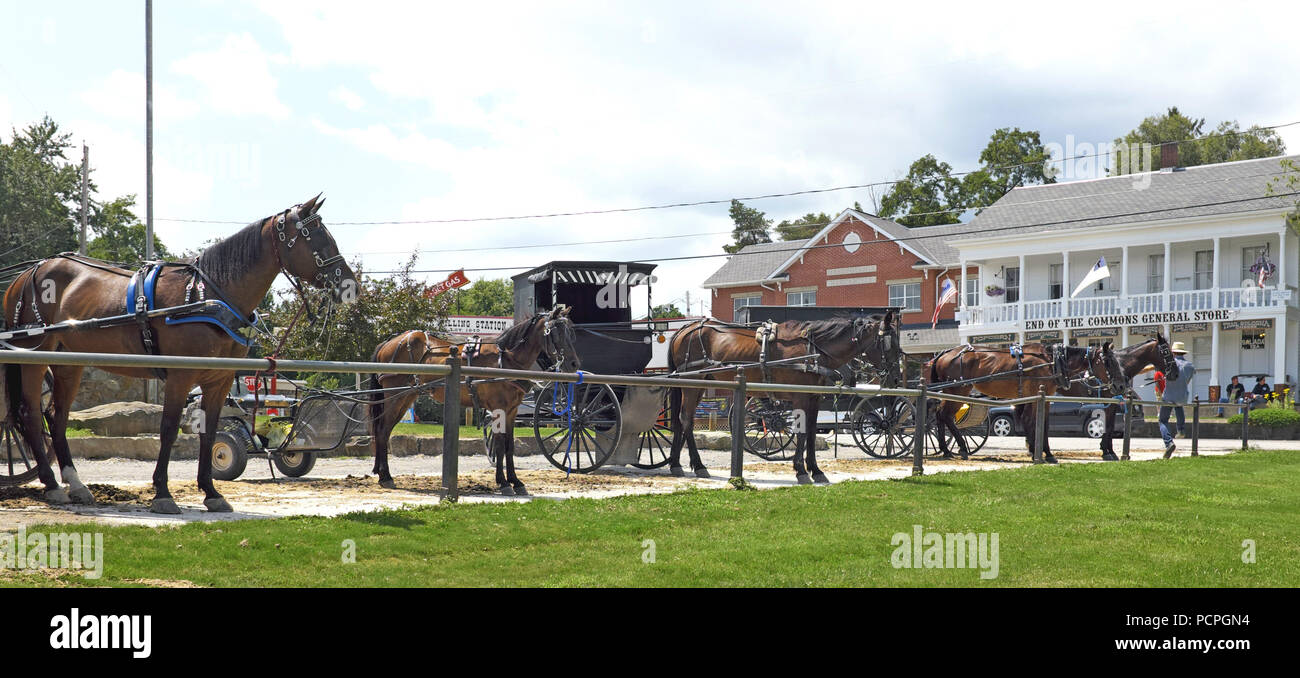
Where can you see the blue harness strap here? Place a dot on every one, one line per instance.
(219, 312)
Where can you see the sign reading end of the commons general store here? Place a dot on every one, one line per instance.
(1130, 319)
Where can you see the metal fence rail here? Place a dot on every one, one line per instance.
(455, 372)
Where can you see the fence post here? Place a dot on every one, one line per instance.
(1040, 424)
(738, 426)
(1245, 427)
(451, 429)
(1128, 425)
(918, 442)
(1196, 424)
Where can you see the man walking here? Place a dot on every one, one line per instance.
(1176, 393)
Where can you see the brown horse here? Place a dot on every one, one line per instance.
(238, 271)
(517, 348)
(1126, 363)
(1037, 365)
(709, 344)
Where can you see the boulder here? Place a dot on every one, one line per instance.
(119, 419)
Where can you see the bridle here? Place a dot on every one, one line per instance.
(884, 341)
(1165, 351)
(558, 333)
(1098, 356)
(300, 228)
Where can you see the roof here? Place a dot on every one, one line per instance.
(1205, 190)
(753, 263)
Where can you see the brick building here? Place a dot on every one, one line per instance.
(871, 261)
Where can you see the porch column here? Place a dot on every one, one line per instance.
(1169, 283)
(1281, 259)
(1123, 279)
(1020, 289)
(1215, 283)
(1214, 333)
(961, 291)
(1279, 349)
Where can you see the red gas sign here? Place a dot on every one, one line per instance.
(453, 281)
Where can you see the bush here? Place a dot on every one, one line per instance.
(1271, 417)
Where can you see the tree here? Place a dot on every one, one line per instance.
(1011, 159)
(751, 227)
(1289, 183)
(929, 191)
(485, 297)
(804, 227)
(666, 311)
(37, 187)
(119, 235)
(1194, 146)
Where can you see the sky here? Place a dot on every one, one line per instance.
(408, 111)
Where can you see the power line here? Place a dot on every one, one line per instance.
(701, 203)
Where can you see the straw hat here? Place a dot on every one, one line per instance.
(1179, 348)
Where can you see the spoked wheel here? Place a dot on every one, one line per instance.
(597, 422)
(17, 462)
(768, 433)
(976, 435)
(488, 434)
(657, 443)
(884, 426)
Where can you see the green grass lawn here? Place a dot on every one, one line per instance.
(1168, 523)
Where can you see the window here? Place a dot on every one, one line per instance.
(1203, 278)
(906, 295)
(1252, 340)
(1054, 287)
(1155, 273)
(805, 298)
(972, 290)
(738, 303)
(1248, 257)
(1201, 352)
(1013, 284)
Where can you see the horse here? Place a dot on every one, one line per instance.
(834, 343)
(518, 348)
(237, 272)
(1036, 364)
(1126, 364)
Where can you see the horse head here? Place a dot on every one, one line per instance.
(879, 344)
(1105, 366)
(559, 340)
(306, 250)
(1167, 363)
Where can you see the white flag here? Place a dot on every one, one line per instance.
(1097, 273)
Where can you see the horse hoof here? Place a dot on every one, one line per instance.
(702, 472)
(387, 484)
(803, 479)
(820, 478)
(218, 505)
(1049, 459)
(82, 495)
(1109, 456)
(165, 505)
(677, 472)
(57, 495)
(521, 491)
(506, 491)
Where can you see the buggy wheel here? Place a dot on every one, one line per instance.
(768, 433)
(976, 436)
(657, 443)
(230, 449)
(19, 464)
(597, 423)
(294, 464)
(884, 426)
(485, 426)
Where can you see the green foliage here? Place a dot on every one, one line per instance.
(1270, 417)
(1289, 182)
(666, 311)
(1011, 159)
(751, 227)
(37, 188)
(804, 227)
(119, 234)
(1195, 147)
(485, 297)
(927, 196)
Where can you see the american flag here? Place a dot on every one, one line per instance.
(947, 293)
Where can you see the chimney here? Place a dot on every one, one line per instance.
(1169, 155)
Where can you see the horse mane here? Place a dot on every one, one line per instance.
(228, 260)
(513, 338)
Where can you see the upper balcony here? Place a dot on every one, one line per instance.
(1197, 305)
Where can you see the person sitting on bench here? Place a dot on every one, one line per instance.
(1235, 393)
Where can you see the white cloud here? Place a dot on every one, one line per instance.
(7, 121)
(236, 78)
(121, 95)
(351, 100)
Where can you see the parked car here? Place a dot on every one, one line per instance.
(1086, 418)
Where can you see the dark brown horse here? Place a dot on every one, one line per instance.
(835, 342)
(517, 348)
(1037, 365)
(1126, 364)
(238, 271)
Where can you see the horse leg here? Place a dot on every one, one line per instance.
(675, 426)
(690, 398)
(66, 380)
(810, 426)
(511, 477)
(175, 390)
(800, 441)
(1107, 444)
(25, 386)
(951, 422)
(383, 422)
(1027, 427)
(499, 446)
(942, 416)
(214, 396)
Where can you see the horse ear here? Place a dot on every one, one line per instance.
(309, 208)
(1107, 347)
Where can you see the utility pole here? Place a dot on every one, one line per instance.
(85, 193)
(148, 129)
